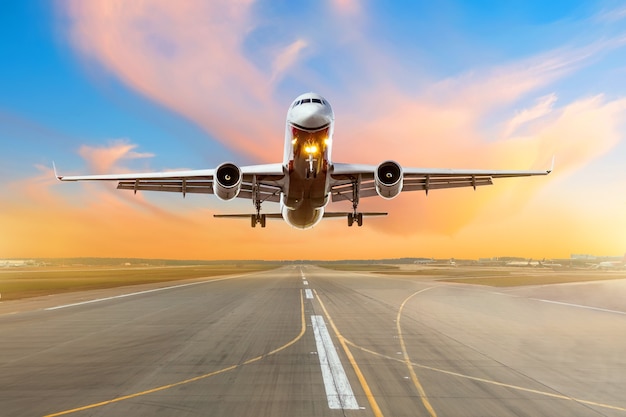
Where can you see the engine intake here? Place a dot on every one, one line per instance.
(388, 178)
(227, 181)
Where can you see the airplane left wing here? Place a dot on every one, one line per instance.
(262, 182)
(353, 181)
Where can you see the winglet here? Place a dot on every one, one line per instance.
(551, 166)
(54, 167)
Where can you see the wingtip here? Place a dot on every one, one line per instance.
(56, 174)
(551, 166)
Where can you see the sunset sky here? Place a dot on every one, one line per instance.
(111, 86)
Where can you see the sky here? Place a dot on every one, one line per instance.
(111, 86)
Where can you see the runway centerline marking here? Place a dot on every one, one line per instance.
(338, 390)
(305, 282)
(308, 294)
(342, 341)
(98, 300)
(197, 378)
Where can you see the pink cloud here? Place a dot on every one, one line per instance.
(187, 56)
(287, 58)
(191, 58)
(346, 7)
(102, 159)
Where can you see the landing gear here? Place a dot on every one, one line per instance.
(311, 172)
(257, 219)
(355, 217)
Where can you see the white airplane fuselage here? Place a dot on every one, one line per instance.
(308, 144)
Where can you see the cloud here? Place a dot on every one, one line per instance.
(447, 134)
(188, 57)
(102, 159)
(542, 108)
(346, 7)
(286, 58)
(191, 58)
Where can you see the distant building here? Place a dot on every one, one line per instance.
(582, 257)
(14, 263)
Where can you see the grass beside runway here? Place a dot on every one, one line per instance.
(34, 282)
(493, 277)
(536, 279)
(361, 267)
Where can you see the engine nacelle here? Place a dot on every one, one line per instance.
(388, 178)
(227, 181)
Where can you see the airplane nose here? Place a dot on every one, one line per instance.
(310, 117)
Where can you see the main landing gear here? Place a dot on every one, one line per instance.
(257, 219)
(355, 217)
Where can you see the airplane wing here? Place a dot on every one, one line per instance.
(355, 180)
(269, 178)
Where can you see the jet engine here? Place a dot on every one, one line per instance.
(227, 181)
(388, 178)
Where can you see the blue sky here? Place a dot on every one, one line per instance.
(94, 85)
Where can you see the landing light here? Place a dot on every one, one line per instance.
(310, 149)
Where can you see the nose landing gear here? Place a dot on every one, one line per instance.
(311, 172)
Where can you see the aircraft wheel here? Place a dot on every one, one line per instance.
(350, 220)
(359, 219)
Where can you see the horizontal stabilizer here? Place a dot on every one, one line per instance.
(247, 216)
(346, 213)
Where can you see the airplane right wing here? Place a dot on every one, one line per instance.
(262, 182)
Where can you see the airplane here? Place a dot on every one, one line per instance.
(611, 265)
(306, 180)
(534, 264)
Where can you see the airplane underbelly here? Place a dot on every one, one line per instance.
(311, 192)
(304, 217)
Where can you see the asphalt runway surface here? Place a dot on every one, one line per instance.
(307, 341)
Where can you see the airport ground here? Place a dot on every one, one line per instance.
(302, 340)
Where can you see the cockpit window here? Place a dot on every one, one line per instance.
(309, 100)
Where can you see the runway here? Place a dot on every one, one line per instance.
(308, 341)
